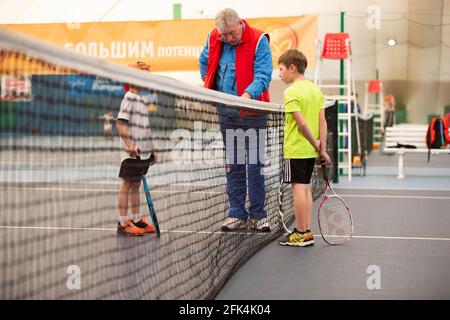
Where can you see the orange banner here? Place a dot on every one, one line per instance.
(166, 45)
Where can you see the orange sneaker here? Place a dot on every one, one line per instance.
(130, 229)
(144, 224)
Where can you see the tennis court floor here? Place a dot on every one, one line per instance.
(400, 250)
(47, 230)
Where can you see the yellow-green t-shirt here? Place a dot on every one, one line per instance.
(304, 97)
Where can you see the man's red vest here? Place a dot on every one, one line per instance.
(245, 58)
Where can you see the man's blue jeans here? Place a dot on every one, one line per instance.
(245, 142)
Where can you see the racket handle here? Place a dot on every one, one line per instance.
(150, 206)
(324, 170)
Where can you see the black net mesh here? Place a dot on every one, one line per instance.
(60, 159)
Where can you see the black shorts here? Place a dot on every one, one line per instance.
(134, 169)
(298, 170)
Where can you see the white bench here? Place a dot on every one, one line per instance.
(409, 134)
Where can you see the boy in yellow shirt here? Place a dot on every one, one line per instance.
(305, 136)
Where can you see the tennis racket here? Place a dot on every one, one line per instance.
(151, 208)
(335, 218)
(284, 200)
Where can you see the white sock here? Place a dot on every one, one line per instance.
(123, 219)
(136, 217)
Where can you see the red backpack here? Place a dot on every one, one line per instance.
(447, 120)
(437, 135)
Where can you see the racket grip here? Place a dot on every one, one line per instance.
(324, 170)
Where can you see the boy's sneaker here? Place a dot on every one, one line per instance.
(297, 239)
(261, 225)
(129, 229)
(144, 224)
(309, 236)
(231, 224)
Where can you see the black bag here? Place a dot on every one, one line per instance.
(437, 135)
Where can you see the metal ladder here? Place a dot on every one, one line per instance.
(375, 87)
(336, 46)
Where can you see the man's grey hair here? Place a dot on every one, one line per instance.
(226, 18)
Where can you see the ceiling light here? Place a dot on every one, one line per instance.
(392, 42)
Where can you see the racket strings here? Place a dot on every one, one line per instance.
(335, 221)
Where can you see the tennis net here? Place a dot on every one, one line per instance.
(59, 163)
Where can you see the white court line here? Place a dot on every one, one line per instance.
(59, 189)
(402, 238)
(110, 229)
(56, 228)
(217, 232)
(400, 188)
(392, 197)
(217, 192)
(100, 190)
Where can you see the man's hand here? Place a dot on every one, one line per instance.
(246, 95)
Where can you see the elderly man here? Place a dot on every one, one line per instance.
(237, 60)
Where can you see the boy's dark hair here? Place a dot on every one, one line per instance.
(295, 57)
